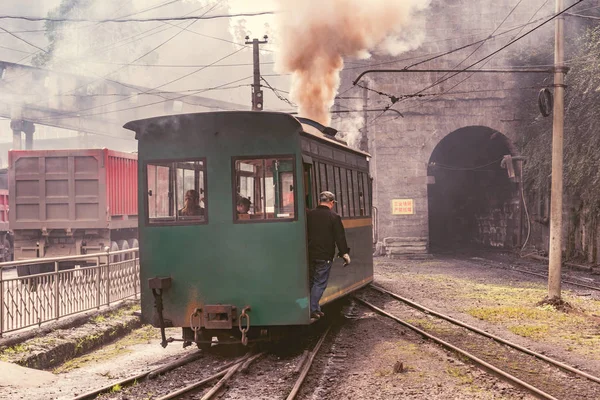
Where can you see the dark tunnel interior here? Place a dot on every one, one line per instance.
(472, 199)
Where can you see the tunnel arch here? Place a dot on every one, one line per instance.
(472, 201)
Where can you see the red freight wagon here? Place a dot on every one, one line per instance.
(70, 202)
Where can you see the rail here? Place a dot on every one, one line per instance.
(77, 284)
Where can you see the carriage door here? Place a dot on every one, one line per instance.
(309, 196)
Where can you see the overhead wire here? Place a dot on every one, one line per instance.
(122, 20)
(276, 92)
(185, 65)
(105, 77)
(466, 69)
(22, 40)
(487, 61)
(17, 50)
(583, 16)
(77, 113)
(457, 168)
(83, 27)
(102, 48)
(118, 43)
(437, 55)
(156, 92)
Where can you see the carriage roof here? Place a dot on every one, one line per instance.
(310, 128)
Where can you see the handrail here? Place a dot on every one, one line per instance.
(65, 258)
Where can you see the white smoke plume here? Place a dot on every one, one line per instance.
(314, 37)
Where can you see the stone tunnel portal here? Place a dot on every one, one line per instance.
(472, 200)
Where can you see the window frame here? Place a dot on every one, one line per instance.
(345, 198)
(234, 159)
(172, 162)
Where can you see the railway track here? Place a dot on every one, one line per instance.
(574, 280)
(221, 379)
(567, 281)
(542, 376)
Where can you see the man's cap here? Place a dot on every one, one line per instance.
(326, 196)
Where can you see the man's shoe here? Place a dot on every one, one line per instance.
(321, 314)
(315, 315)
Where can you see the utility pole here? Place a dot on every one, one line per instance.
(257, 93)
(556, 196)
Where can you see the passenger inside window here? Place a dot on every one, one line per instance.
(243, 206)
(191, 206)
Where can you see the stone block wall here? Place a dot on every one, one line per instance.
(402, 146)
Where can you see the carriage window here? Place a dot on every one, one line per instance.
(367, 193)
(344, 198)
(265, 189)
(176, 192)
(338, 192)
(350, 192)
(358, 210)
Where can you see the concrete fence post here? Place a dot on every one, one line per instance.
(56, 291)
(98, 270)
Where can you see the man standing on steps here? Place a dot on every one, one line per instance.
(325, 232)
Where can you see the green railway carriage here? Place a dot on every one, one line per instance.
(219, 272)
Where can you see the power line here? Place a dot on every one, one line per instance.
(518, 33)
(583, 16)
(456, 168)
(466, 69)
(276, 91)
(479, 47)
(113, 44)
(76, 114)
(17, 50)
(492, 34)
(163, 101)
(437, 55)
(181, 65)
(137, 59)
(167, 3)
(23, 40)
(120, 20)
(124, 16)
(502, 47)
(153, 93)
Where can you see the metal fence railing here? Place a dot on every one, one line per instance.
(97, 280)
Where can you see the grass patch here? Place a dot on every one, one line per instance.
(139, 336)
(462, 376)
(530, 331)
(116, 388)
(429, 324)
(516, 308)
(9, 353)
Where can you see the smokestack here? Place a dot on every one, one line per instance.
(316, 35)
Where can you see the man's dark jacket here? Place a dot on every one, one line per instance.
(325, 231)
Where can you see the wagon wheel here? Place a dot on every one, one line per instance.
(124, 245)
(114, 247)
(5, 255)
(133, 243)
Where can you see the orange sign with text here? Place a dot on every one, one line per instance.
(403, 207)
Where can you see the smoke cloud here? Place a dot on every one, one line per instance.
(314, 37)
